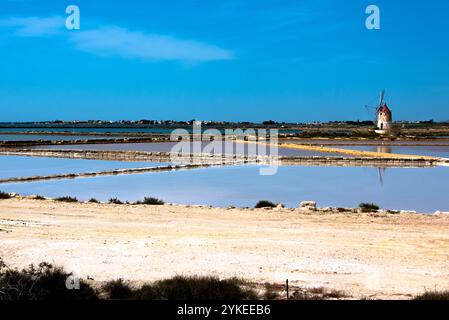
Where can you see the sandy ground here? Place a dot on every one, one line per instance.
(366, 255)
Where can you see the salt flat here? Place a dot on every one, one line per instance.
(366, 255)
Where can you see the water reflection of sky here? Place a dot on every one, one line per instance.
(51, 137)
(15, 166)
(155, 130)
(422, 189)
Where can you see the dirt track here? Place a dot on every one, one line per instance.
(362, 254)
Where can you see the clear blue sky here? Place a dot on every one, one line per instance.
(232, 60)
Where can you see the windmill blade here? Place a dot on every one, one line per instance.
(381, 98)
(374, 110)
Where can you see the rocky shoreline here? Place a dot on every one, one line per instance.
(304, 207)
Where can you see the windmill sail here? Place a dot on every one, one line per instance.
(381, 98)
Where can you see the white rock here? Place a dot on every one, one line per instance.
(311, 205)
(407, 212)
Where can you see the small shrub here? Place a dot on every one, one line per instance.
(118, 289)
(265, 204)
(368, 207)
(67, 199)
(93, 200)
(319, 293)
(335, 294)
(303, 295)
(151, 201)
(4, 195)
(197, 288)
(433, 295)
(317, 290)
(393, 211)
(271, 292)
(115, 201)
(38, 197)
(44, 282)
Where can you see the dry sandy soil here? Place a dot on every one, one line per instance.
(366, 255)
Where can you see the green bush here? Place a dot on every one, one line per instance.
(118, 289)
(4, 195)
(271, 292)
(67, 199)
(393, 211)
(197, 288)
(433, 295)
(44, 282)
(319, 293)
(115, 201)
(93, 200)
(265, 204)
(182, 288)
(368, 207)
(151, 201)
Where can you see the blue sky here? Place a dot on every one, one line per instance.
(232, 60)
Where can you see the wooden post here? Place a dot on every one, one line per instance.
(286, 287)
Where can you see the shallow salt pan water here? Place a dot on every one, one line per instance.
(16, 166)
(421, 189)
(50, 137)
(153, 130)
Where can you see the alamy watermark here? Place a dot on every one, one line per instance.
(228, 146)
(232, 145)
(372, 22)
(73, 20)
(72, 282)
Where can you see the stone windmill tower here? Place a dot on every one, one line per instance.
(384, 116)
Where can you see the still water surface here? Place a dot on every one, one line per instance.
(153, 130)
(50, 137)
(15, 166)
(422, 189)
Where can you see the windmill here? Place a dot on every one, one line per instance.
(383, 121)
(383, 116)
